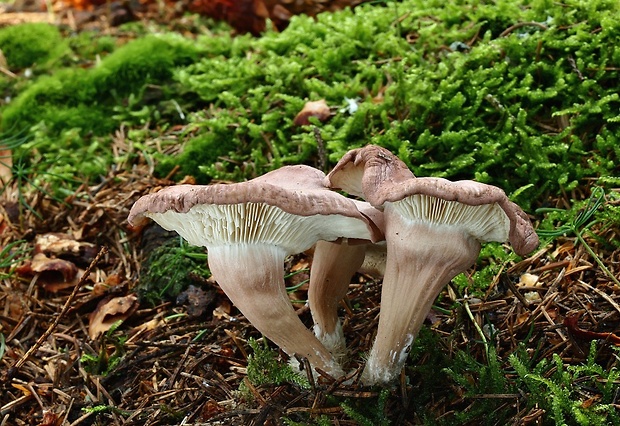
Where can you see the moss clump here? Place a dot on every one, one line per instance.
(91, 102)
(264, 368)
(88, 44)
(25, 45)
(84, 99)
(167, 271)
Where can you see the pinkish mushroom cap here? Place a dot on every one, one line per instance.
(513, 225)
(294, 190)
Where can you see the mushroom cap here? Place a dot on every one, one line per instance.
(269, 209)
(487, 211)
(380, 177)
(362, 169)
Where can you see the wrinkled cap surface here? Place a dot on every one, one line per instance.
(362, 169)
(288, 207)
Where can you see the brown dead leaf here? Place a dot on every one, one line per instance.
(51, 419)
(571, 324)
(522, 318)
(109, 311)
(101, 288)
(243, 15)
(151, 325)
(318, 109)
(591, 401)
(65, 246)
(4, 223)
(51, 269)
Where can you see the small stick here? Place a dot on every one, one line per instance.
(19, 364)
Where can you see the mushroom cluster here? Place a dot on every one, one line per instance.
(430, 229)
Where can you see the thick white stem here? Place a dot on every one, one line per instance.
(333, 265)
(252, 276)
(421, 259)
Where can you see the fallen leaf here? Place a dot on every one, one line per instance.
(318, 109)
(211, 408)
(243, 15)
(110, 311)
(147, 326)
(591, 401)
(6, 164)
(522, 318)
(50, 270)
(65, 246)
(51, 419)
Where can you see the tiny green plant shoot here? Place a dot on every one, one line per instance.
(579, 225)
(10, 255)
(2, 346)
(104, 363)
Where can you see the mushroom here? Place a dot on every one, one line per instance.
(433, 230)
(248, 229)
(333, 265)
(374, 260)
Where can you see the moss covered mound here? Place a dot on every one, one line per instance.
(517, 93)
(84, 98)
(28, 44)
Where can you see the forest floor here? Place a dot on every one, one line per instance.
(67, 360)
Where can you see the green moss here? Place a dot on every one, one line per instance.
(519, 94)
(515, 108)
(28, 44)
(91, 102)
(557, 388)
(167, 270)
(87, 45)
(264, 368)
(84, 98)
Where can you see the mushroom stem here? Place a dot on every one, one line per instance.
(333, 265)
(255, 284)
(414, 277)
